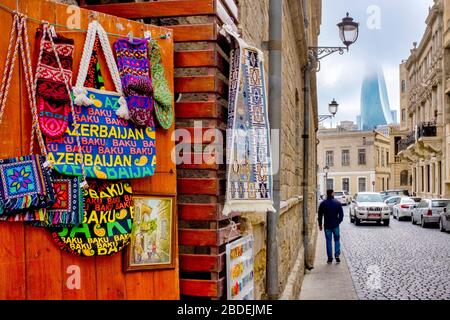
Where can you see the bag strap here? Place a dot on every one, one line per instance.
(9, 65)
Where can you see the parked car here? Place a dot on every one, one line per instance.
(444, 221)
(394, 192)
(429, 211)
(403, 208)
(391, 201)
(369, 206)
(343, 197)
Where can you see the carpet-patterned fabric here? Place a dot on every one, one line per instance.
(249, 181)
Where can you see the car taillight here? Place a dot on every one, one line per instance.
(429, 213)
(404, 206)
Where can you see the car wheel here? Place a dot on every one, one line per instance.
(357, 221)
(386, 223)
(422, 222)
(441, 226)
(393, 216)
(352, 219)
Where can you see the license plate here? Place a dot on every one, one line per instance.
(374, 215)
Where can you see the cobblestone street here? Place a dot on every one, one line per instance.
(402, 261)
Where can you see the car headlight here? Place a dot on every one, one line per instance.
(385, 208)
(361, 208)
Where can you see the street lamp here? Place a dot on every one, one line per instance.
(332, 109)
(348, 32)
(325, 170)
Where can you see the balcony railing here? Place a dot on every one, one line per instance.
(427, 129)
(406, 142)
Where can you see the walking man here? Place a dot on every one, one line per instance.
(331, 212)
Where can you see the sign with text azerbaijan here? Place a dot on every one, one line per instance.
(112, 148)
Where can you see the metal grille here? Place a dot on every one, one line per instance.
(374, 209)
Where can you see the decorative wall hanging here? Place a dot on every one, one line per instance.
(162, 94)
(107, 223)
(112, 148)
(25, 182)
(249, 178)
(134, 71)
(53, 100)
(153, 234)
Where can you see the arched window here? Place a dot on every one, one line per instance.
(404, 178)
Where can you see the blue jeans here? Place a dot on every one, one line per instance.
(329, 234)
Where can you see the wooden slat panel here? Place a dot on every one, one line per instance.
(227, 235)
(198, 186)
(194, 32)
(202, 288)
(137, 10)
(199, 212)
(110, 280)
(195, 84)
(203, 135)
(198, 237)
(195, 58)
(88, 278)
(200, 161)
(202, 262)
(197, 109)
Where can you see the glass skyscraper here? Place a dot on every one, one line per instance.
(375, 108)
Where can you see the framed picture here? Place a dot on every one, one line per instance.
(152, 243)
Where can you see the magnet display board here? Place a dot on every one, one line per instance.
(240, 275)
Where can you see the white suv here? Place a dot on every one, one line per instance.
(343, 197)
(369, 206)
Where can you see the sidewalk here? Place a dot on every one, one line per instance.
(327, 282)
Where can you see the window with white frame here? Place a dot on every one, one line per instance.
(362, 184)
(329, 158)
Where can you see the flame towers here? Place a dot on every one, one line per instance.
(375, 108)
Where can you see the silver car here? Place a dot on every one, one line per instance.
(403, 208)
(429, 211)
(391, 201)
(444, 221)
(343, 197)
(369, 206)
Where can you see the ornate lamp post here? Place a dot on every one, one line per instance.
(348, 32)
(326, 169)
(332, 108)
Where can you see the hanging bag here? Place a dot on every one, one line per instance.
(108, 219)
(25, 181)
(113, 147)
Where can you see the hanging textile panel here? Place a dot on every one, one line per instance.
(249, 180)
(112, 148)
(108, 219)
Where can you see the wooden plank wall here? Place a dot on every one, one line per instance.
(201, 70)
(31, 266)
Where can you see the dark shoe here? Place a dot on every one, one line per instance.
(337, 260)
(329, 261)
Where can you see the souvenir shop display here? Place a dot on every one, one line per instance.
(134, 71)
(26, 181)
(112, 147)
(161, 90)
(249, 173)
(107, 223)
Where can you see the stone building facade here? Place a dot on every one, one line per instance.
(357, 160)
(254, 24)
(425, 83)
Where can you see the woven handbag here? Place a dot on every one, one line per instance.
(25, 181)
(113, 147)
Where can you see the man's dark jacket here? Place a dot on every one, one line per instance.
(331, 210)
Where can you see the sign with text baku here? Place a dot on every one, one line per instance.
(111, 147)
(239, 257)
(107, 223)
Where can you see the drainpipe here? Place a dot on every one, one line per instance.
(274, 46)
(305, 136)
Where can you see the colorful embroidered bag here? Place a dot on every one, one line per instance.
(107, 223)
(25, 181)
(113, 148)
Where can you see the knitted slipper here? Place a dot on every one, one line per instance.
(52, 97)
(163, 95)
(141, 110)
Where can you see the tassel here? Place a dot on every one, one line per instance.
(81, 98)
(123, 111)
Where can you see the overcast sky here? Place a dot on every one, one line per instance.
(387, 30)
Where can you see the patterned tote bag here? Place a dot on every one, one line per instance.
(107, 222)
(25, 182)
(112, 147)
